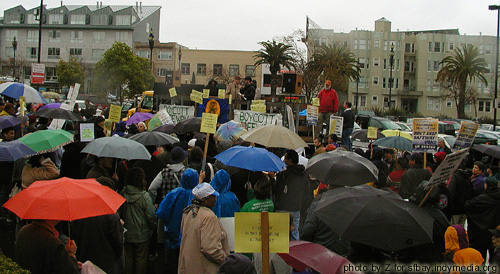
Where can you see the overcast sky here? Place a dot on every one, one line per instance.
(241, 24)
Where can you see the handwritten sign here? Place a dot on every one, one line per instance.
(196, 96)
(425, 134)
(253, 119)
(336, 123)
(177, 113)
(258, 102)
(172, 92)
(447, 167)
(222, 94)
(115, 113)
(208, 122)
(22, 105)
(466, 135)
(230, 99)
(312, 115)
(247, 236)
(72, 95)
(315, 102)
(206, 93)
(371, 133)
(258, 108)
(86, 132)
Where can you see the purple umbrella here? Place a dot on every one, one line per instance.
(139, 117)
(8, 121)
(11, 151)
(51, 105)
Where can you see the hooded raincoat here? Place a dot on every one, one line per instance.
(172, 206)
(227, 203)
(138, 215)
(457, 247)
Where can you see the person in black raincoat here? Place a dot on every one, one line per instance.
(212, 86)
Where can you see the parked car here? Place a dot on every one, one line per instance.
(445, 128)
(404, 126)
(485, 136)
(449, 140)
(363, 117)
(382, 123)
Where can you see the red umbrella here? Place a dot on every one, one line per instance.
(65, 199)
(304, 254)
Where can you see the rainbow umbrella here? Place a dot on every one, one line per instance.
(230, 131)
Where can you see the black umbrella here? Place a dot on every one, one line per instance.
(374, 217)
(168, 128)
(491, 150)
(361, 135)
(192, 124)
(342, 168)
(58, 113)
(152, 138)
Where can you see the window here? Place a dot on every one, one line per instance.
(161, 72)
(55, 19)
(201, 69)
(430, 47)
(429, 84)
(376, 61)
(363, 82)
(410, 47)
(54, 53)
(436, 66)
(429, 65)
(376, 43)
(487, 49)
(78, 19)
(32, 36)
(31, 19)
(185, 68)
(143, 53)
(31, 53)
(15, 18)
(363, 63)
(10, 34)
(451, 46)
(97, 54)
(375, 80)
(481, 105)
(99, 36)
(374, 100)
(484, 106)
(384, 82)
(76, 37)
(434, 104)
(100, 19)
(54, 36)
(468, 108)
(437, 47)
(234, 70)
(250, 70)
(50, 74)
(385, 63)
(435, 85)
(164, 55)
(386, 101)
(449, 104)
(217, 69)
(123, 20)
(362, 100)
(75, 52)
(9, 52)
(360, 44)
(122, 36)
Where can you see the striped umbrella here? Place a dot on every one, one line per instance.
(15, 90)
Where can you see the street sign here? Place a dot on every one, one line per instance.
(37, 73)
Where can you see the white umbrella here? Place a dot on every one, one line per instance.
(274, 136)
(15, 90)
(117, 147)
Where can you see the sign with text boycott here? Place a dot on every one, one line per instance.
(425, 134)
(447, 167)
(336, 123)
(466, 135)
(247, 235)
(178, 113)
(252, 119)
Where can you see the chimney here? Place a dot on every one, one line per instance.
(136, 5)
(61, 3)
(140, 6)
(100, 5)
(97, 4)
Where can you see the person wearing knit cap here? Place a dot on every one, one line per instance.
(328, 104)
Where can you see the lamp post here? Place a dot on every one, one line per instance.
(497, 8)
(151, 40)
(14, 46)
(391, 64)
(180, 55)
(357, 87)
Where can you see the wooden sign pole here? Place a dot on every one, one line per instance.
(205, 153)
(264, 235)
(425, 159)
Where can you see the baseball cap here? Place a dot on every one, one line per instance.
(204, 190)
(496, 231)
(192, 143)
(328, 82)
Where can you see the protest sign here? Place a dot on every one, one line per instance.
(228, 224)
(336, 123)
(208, 122)
(372, 133)
(22, 105)
(252, 119)
(115, 113)
(258, 108)
(312, 115)
(72, 95)
(425, 134)
(222, 94)
(466, 135)
(247, 230)
(258, 102)
(172, 92)
(86, 132)
(447, 167)
(196, 96)
(177, 113)
(315, 102)
(230, 99)
(206, 93)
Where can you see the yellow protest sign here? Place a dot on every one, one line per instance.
(22, 104)
(208, 122)
(196, 96)
(258, 102)
(206, 93)
(222, 94)
(115, 113)
(315, 102)
(230, 99)
(172, 92)
(258, 108)
(372, 133)
(247, 232)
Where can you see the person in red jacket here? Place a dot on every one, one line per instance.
(328, 104)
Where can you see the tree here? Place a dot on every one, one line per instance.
(275, 55)
(14, 68)
(121, 70)
(337, 64)
(458, 72)
(69, 73)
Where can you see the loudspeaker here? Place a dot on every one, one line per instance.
(289, 82)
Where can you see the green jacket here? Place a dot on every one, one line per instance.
(138, 215)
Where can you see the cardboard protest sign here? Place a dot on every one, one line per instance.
(447, 167)
(252, 119)
(206, 93)
(336, 123)
(172, 92)
(466, 135)
(86, 132)
(247, 232)
(258, 108)
(178, 113)
(115, 113)
(196, 96)
(208, 122)
(222, 94)
(371, 133)
(312, 115)
(425, 134)
(315, 102)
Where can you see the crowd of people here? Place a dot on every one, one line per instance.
(173, 202)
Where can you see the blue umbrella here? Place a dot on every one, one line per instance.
(11, 151)
(15, 90)
(8, 121)
(396, 142)
(251, 158)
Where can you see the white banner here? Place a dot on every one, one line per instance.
(72, 95)
(178, 113)
(251, 119)
(447, 167)
(466, 135)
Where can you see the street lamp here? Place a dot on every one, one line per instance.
(180, 54)
(151, 40)
(391, 64)
(14, 46)
(357, 87)
(497, 8)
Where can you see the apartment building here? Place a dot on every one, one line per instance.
(417, 55)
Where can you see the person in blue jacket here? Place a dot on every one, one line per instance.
(227, 203)
(170, 211)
